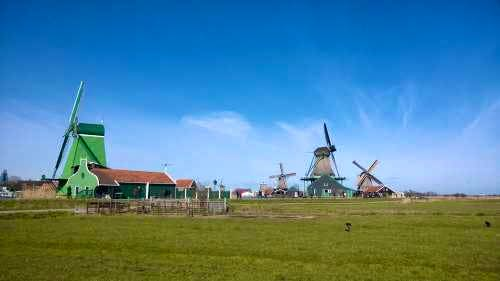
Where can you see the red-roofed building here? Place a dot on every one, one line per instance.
(92, 181)
(376, 191)
(182, 184)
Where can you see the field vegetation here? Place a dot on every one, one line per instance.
(38, 204)
(262, 240)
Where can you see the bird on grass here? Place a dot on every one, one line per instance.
(348, 226)
(487, 223)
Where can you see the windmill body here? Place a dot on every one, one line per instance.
(87, 143)
(322, 163)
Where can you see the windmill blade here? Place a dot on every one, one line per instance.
(314, 163)
(359, 166)
(375, 179)
(335, 164)
(290, 174)
(362, 177)
(359, 181)
(311, 166)
(76, 105)
(275, 176)
(71, 127)
(373, 166)
(61, 153)
(281, 168)
(327, 136)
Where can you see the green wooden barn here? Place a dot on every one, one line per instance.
(327, 186)
(91, 180)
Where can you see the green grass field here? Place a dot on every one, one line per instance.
(7, 205)
(263, 240)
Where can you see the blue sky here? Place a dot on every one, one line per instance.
(227, 90)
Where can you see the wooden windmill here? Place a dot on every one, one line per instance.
(87, 142)
(282, 185)
(322, 161)
(367, 182)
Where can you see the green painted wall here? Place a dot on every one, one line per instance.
(138, 191)
(161, 191)
(326, 186)
(81, 184)
(131, 191)
(88, 146)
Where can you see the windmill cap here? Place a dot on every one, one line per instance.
(90, 129)
(322, 151)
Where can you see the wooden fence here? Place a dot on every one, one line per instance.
(188, 207)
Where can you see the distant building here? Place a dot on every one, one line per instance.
(30, 189)
(248, 194)
(186, 188)
(265, 190)
(182, 184)
(6, 193)
(238, 192)
(378, 191)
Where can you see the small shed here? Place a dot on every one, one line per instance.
(185, 188)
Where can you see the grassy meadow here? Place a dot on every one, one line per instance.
(38, 204)
(262, 240)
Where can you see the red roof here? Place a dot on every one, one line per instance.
(111, 176)
(184, 183)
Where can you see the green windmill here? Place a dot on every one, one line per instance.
(87, 143)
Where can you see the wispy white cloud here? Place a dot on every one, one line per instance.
(406, 102)
(224, 122)
(306, 134)
(364, 118)
(485, 116)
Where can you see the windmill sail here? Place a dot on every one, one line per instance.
(61, 152)
(71, 127)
